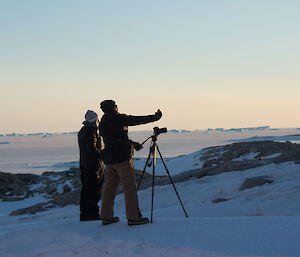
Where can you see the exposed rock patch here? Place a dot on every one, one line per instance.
(260, 150)
(256, 181)
(68, 198)
(15, 187)
(219, 200)
(30, 210)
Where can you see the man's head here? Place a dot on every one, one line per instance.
(108, 106)
(91, 116)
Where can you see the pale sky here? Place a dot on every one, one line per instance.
(205, 64)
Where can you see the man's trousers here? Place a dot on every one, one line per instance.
(123, 171)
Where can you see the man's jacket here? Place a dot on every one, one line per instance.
(90, 146)
(114, 130)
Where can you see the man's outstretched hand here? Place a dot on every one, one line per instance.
(158, 114)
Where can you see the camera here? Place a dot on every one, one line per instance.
(158, 130)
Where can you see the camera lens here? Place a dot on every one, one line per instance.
(158, 130)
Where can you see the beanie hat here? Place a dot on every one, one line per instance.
(108, 105)
(91, 116)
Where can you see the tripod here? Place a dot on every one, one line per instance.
(152, 153)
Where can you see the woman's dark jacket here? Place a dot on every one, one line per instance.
(114, 131)
(89, 146)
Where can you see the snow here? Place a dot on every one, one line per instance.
(60, 188)
(201, 237)
(249, 156)
(275, 155)
(7, 207)
(261, 221)
(35, 186)
(175, 165)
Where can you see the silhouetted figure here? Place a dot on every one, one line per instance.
(91, 167)
(118, 154)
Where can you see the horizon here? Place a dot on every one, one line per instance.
(171, 130)
(205, 64)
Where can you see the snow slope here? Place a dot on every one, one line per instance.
(261, 221)
(175, 165)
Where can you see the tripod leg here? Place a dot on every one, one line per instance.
(171, 181)
(138, 186)
(153, 175)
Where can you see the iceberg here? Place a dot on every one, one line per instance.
(5, 143)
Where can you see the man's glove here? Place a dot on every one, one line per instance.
(158, 114)
(137, 146)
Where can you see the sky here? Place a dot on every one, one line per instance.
(205, 64)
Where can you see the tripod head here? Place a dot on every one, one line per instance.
(156, 132)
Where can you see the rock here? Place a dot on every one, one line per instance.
(236, 166)
(29, 210)
(219, 200)
(16, 185)
(214, 156)
(68, 198)
(72, 197)
(255, 181)
(48, 190)
(66, 188)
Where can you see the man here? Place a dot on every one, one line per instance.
(91, 167)
(118, 155)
